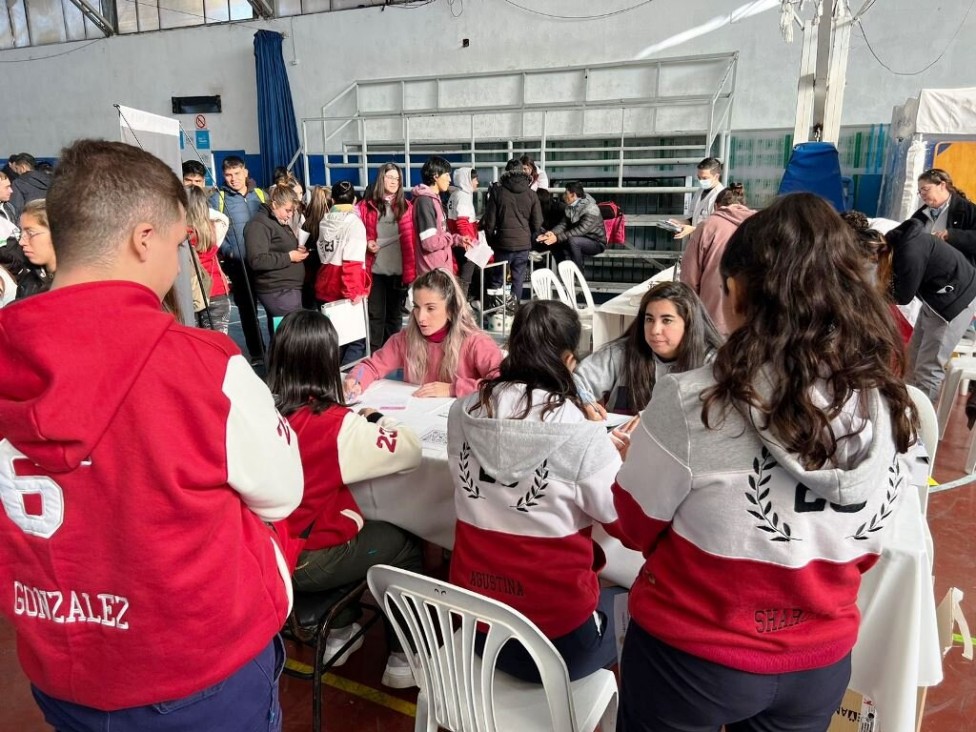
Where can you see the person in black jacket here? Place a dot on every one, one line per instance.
(512, 219)
(581, 232)
(274, 255)
(941, 277)
(31, 184)
(946, 212)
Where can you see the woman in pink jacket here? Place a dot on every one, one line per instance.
(699, 264)
(441, 349)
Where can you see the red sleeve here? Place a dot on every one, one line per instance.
(368, 214)
(467, 227)
(353, 280)
(408, 246)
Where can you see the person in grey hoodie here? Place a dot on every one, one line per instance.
(581, 232)
(761, 488)
(532, 467)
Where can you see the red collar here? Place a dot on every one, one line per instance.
(440, 335)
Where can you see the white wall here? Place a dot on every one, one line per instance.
(46, 103)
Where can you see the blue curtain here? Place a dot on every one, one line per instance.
(277, 130)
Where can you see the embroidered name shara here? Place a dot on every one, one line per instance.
(496, 583)
(70, 606)
(775, 619)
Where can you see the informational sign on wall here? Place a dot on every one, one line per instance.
(203, 140)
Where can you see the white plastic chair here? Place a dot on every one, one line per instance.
(958, 369)
(351, 322)
(574, 280)
(929, 434)
(460, 691)
(545, 283)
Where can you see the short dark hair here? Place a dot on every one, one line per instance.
(434, 168)
(576, 188)
(712, 165)
(194, 167)
(99, 191)
(232, 161)
(343, 192)
(303, 366)
(513, 165)
(24, 159)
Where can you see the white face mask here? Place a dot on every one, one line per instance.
(706, 183)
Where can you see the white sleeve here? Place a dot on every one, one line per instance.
(221, 225)
(370, 450)
(263, 463)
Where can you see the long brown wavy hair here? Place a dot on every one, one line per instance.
(810, 315)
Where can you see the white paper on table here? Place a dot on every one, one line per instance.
(302, 237)
(480, 253)
(386, 396)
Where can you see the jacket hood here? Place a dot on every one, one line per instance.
(736, 213)
(336, 222)
(462, 179)
(860, 458)
(516, 181)
(68, 364)
(906, 231)
(426, 190)
(511, 449)
(37, 179)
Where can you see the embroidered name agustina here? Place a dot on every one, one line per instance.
(71, 607)
(496, 583)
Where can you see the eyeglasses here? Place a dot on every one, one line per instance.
(392, 176)
(32, 234)
(925, 190)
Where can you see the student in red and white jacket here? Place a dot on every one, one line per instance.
(338, 446)
(762, 487)
(461, 219)
(442, 348)
(391, 244)
(342, 248)
(139, 463)
(533, 468)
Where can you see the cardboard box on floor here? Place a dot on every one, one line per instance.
(855, 714)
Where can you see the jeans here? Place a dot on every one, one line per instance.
(518, 262)
(663, 689)
(242, 290)
(246, 701)
(575, 248)
(217, 315)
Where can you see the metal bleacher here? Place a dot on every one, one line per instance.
(631, 132)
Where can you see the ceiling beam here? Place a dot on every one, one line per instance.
(263, 8)
(95, 16)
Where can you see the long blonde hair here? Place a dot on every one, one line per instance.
(198, 219)
(460, 321)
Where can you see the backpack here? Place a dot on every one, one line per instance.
(614, 223)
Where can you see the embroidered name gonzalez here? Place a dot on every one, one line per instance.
(71, 606)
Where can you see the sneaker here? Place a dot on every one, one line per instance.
(337, 638)
(397, 674)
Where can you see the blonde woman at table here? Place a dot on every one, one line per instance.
(672, 333)
(441, 348)
(761, 489)
(532, 466)
(327, 535)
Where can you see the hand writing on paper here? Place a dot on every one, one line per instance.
(434, 389)
(594, 412)
(352, 388)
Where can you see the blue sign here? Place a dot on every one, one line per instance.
(182, 140)
(203, 140)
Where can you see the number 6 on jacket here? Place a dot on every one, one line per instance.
(16, 489)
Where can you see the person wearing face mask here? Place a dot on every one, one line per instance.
(581, 232)
(702, 204)
(274, 255)
(946, 212)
